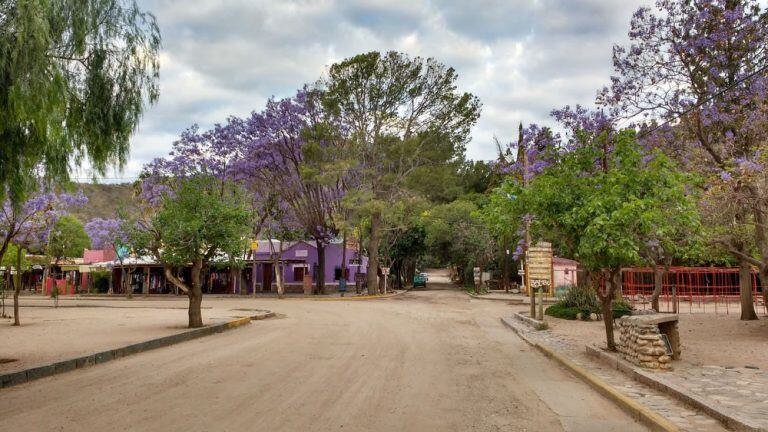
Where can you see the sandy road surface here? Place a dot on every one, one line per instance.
(424, 361)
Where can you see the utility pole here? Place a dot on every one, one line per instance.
(523, 150)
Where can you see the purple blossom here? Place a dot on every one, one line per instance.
(106, 233)
(29, 224)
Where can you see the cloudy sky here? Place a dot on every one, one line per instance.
(521, 57)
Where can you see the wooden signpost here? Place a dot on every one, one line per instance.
(539, 272)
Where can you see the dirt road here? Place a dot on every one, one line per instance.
(424, 361)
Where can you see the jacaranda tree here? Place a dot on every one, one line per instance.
(28, 225)
(279, 143)
(113, 234)
(700, 67)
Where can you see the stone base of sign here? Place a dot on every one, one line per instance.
(641, 340)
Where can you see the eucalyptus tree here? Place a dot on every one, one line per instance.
(390, 108)
(74, 79)
(698, 72)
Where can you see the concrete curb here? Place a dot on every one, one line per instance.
(532, 322)
(514, 300)
(355, 298)
(639, 412)
(729, 418)
(31, 374)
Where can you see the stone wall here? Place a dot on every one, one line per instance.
(641, 341)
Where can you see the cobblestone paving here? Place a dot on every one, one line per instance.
(678, 413)
(744, 390)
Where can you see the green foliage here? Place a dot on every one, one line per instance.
(68, 239)
(607, 218)
(582, 298)
(198, 222)
(403, 120)
(621, 308)
(564, 311)
(559, 310)
(100, 281)
(75, 76)
(456, 236)
(9, 259)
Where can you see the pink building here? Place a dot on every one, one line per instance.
(565, 271)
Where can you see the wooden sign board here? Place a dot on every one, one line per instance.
(539, 270)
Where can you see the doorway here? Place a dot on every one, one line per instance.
(266, 279)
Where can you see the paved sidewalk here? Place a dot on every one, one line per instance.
(743, 390)
(678, 413)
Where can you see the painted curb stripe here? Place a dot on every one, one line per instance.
(641, 413)
(725, 416)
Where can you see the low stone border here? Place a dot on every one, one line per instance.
(729, 418)
(512, 300)
(532, 322)
(26, 375)
(641, 413)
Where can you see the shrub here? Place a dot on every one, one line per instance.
(559, 310)
(621, 308)
(100, 281)
(583, 298)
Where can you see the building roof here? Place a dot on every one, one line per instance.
(564, 262)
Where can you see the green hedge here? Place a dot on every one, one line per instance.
(559, 310)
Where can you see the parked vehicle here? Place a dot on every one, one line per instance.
(420, 280)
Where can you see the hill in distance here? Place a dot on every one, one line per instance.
(105, 201)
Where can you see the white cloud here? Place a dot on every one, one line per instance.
(521, 57)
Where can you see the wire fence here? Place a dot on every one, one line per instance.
(691, 289)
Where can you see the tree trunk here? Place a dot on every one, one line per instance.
(658, 285)
(373, 253)
(606, 302)
(253, 273)
(233, 277)
(320, 286)
(195, 295)
(505, 270)
(19, 252)
(343, 257)
(745, 291)
(16, 290)
(127, 287)
(764, 285)
(279, 273)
